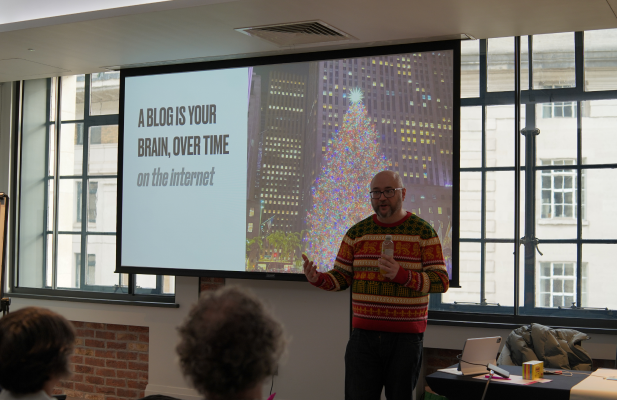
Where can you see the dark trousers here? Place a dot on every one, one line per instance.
(376, 359)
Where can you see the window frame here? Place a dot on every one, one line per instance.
(130, 294)
(524, 311)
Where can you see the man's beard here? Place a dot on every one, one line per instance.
(392, 208)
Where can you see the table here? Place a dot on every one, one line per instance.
(466, 387)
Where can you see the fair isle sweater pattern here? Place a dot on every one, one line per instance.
(378, 303)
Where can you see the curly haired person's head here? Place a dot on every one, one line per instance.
(229, 344)
(35, 345)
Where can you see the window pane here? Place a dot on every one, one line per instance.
(557, 138)
(49, 262)
(553, 60)
(102, 205)
(471, 137)
(145, 281)
(51, 167)
(471, 206)
(599, 273)
(500, 204)
(103, 150)
(556, 202)
(71, 149)
(469, 261)
(52, 99)
(599, 131)
(70, 205)
(500, 60)
(599, 208)
(50, 204)
(101, 264)
(470, 68)
(105, 93)
(169, 284)
(499, 267)
(147, 284)
(524, 62)
(69, 261)
(522, 215)
(32, 183)
(500, 136)
(72, 107)
(600, 60)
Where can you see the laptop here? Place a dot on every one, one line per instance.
(481, 351)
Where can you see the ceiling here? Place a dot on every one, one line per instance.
(190, 30)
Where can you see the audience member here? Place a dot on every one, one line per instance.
(229, 345)
(35, 345)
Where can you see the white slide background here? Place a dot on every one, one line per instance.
(188, 227)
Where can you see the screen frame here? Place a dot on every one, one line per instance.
(452, 45)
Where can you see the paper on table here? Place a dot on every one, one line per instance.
(453, 371)
(595, 386)
(515, 380)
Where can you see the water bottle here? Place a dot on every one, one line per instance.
(387, 248)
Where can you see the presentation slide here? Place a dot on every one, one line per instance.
(184, 170)
(243, 170)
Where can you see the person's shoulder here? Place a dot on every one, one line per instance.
(361, 228)
(40, 395)
(417, 226)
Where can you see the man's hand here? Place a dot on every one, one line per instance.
(389, 268)
(310, 270)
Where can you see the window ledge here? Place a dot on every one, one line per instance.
(515, 325)
(560, 221)
(468, 317)
(93, 300)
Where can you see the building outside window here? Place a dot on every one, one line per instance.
(566, 203)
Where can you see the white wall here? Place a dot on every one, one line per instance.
(6, 97)
(316, 321)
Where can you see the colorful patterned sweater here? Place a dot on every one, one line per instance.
(381, 304)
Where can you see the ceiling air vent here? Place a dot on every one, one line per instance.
(298, 33)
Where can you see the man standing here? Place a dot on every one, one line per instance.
(389, 294)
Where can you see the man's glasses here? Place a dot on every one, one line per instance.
(376, 194)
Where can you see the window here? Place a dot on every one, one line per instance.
(69, 170)
(559, 110)
(557, 284)
(567, 242)
(90, 269)
(250, 227)
(558, 191)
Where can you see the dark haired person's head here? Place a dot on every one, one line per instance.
(35, 345)
(229, 344)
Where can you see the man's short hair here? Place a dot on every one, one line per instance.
(35, 345)
(229, 343)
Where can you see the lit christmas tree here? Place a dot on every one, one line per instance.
(341, 193)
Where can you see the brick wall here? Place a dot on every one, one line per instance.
(208, 283)
(110, 362)
(435, 359)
